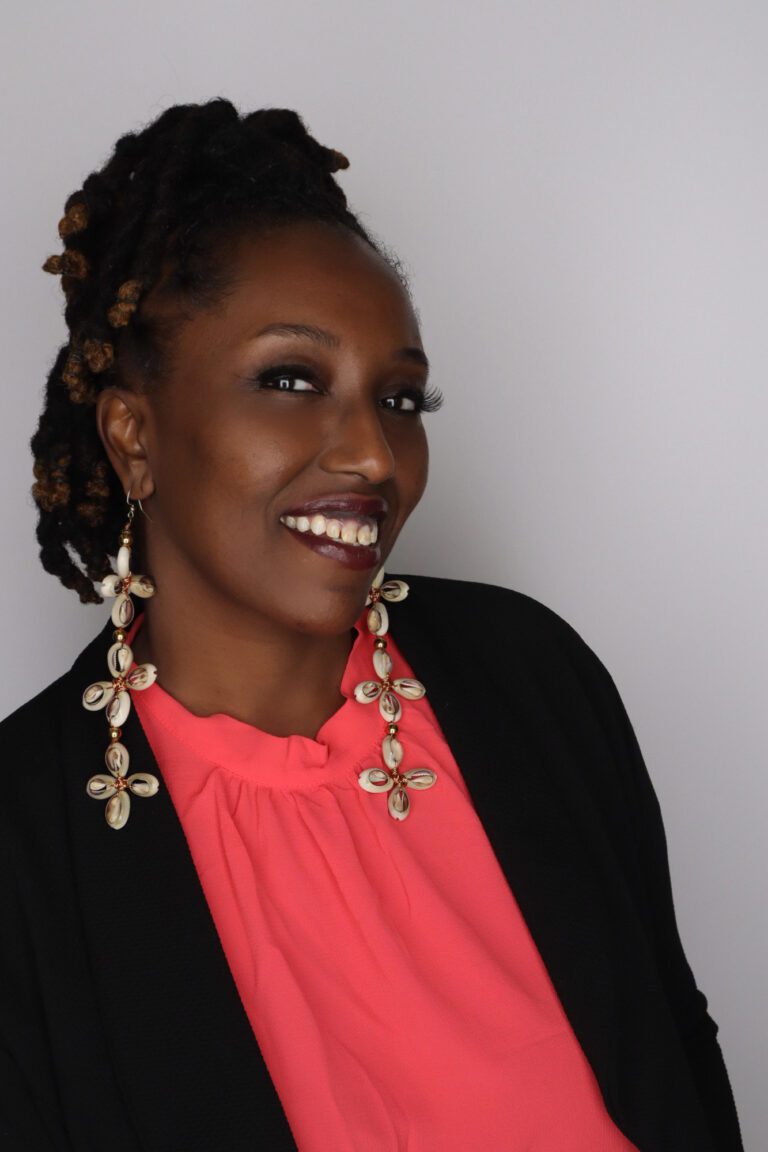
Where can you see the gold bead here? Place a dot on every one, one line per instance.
(119, 635)
(391, 729)
(380, 642)
(127, 539)
(115, 734)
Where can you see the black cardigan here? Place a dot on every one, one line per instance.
(120, 1024)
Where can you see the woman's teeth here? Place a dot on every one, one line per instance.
(348, 531)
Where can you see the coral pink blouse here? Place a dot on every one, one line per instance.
(391, 982)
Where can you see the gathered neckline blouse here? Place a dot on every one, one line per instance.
(390, 980)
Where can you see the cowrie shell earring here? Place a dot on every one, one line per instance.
(390, 694)
(114, 695)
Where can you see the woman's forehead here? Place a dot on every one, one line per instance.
(308, 251)
(313, 276)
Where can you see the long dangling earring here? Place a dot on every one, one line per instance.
(114, 695)
(389, 778)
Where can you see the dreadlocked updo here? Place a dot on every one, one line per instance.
(156, 212)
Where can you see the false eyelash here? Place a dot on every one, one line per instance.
(431, 400)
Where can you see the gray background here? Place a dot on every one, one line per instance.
(579, 193)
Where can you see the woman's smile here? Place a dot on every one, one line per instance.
(341, 528)
(352, 543)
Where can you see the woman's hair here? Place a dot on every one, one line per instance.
(156, 216)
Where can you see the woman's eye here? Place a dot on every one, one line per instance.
(408, 402)
(416, 400)
(283, 379)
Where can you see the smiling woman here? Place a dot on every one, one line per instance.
(375, 894)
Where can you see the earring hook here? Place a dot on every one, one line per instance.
(131, 508)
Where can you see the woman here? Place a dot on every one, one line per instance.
(312, 886)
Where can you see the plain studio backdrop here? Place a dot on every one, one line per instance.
(579, 193)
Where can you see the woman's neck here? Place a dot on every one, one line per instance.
(281, 681)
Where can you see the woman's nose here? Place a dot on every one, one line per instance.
(357, 443)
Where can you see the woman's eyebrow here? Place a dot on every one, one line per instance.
(331, 340)
(283, 328)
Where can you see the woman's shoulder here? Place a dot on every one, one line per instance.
(31, 755)
(40, 754)
(508, 633)
(35, 715)
(481, 595)
(32, 729)
(489, 611)
(31, 785)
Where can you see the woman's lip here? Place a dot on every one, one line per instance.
(342, 504)
(355, 556)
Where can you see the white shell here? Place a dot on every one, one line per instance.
(142, 586)
(378, 578)
(375, 780)
(122, 611)
(390, 707)
(398, 803)
(100, 787)
(119, 658)
(117, 758)
(420, 778)
(378, 619)
(392, 751)
(110, 585)
(118, 809)
(98, 695)
(367, 691)
(382, 663)
(143, 784)
(410, 689)
(141, 677)
(394, 590)
(123, 560)
(118, 709)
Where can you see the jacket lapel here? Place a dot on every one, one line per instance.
(191, 1071)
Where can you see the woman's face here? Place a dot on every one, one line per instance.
(250, 425)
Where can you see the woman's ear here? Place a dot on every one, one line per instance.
(122, 421)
